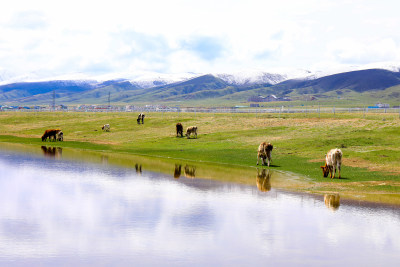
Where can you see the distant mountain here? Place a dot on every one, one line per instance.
(239, 86)
(23, 90)
(150, 80)
(359, 81)
(246, 78)
(206, 86)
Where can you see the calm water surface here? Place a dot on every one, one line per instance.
(63, 213)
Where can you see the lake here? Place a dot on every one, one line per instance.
(60, 210)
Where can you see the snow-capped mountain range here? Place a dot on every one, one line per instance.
(80, 88)
(238, 78)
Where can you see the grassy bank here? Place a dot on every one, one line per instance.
(370, 144)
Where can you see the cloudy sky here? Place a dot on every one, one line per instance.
(208, 36)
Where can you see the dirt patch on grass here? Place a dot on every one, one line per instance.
(260, 122)
(23, 135)
(362, 163)
(317, 160)
(312, 122)
(103, 142)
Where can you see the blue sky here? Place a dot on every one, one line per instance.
(126, 37)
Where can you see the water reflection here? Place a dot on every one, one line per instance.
(332, 201)
(138, 168)
(177, 171)
(190, 171)
(52, 152)
(263, 180)
(104, 159)
(79, 214)
(202, 170)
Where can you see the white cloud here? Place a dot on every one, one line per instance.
(194, 36)
(350, 51)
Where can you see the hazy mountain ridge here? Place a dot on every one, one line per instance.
(359, 81)
(197, 87)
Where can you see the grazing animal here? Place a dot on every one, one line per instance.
(179, 129)
(60, 136)
(264, 152)
(332, 201)
(263, 180)
(191, 130)
(51, 134)
(106, 127)
(140, 118)
(45, 135)
(333, 161)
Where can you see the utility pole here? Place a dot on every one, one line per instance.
(319, 110)
(109, 106)
(54, 100)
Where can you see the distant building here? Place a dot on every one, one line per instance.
(381, 105)
(129, 108)
(269, 98)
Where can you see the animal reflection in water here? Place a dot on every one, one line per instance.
(104, 159)
(138, 168)
(332, 201)
(177, 171)
(52, 152)
(190, 171)
(263, 180)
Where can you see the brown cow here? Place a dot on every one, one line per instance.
(264, 152)
(333, 160)
(51, 134)
(191, 130)
(179, 129)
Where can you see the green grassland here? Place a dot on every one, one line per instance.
(343, 98)
(370, 143)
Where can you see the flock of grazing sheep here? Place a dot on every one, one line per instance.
(333, 159)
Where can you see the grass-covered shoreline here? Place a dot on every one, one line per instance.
(370, 144)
